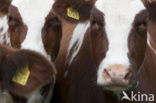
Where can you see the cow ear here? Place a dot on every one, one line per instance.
(74, 10)
(25, 71)
(4, 5)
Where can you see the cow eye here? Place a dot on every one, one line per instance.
(93, 22)
(142, 27)
(13, 22)
(96, 25)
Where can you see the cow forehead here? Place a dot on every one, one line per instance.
(33, 11)
(120, 11)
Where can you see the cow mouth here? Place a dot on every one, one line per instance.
(117, 87)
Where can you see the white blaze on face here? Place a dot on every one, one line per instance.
(34, 13)
(119, 16)
(4, 35)
(77, 37)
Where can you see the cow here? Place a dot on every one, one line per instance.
(24, 72)
(102, 49)
(146, 76)
(31, 25)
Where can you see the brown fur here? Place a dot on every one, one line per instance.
(67, 30)
(148, 71)
(17, 28)
(152, 11)
(51, 35)
(98, 34)
(137, 40)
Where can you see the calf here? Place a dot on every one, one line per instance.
(103, 53)
(23, 73)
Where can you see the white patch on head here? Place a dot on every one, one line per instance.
(34, 13)
(77, 37)
(149, 43)
(4, 35)
(119, 16)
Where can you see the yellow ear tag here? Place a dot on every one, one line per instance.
(72, 13)
(21, 76)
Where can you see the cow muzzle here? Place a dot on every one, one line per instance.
(117, 77)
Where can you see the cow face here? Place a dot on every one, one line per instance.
(32, 25)
(118, 37)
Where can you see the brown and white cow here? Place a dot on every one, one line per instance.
(103, 52)
(30, 25)
(12, 64)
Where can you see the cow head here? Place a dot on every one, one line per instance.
(33, 26)
(12, 65)
(118, 37)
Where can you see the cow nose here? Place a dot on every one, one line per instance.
(117, 76)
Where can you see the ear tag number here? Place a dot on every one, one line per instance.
(72, 13)
(21, 76)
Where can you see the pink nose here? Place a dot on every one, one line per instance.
(117, 76)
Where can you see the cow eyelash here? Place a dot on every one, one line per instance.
(13, 21)
(93, 22)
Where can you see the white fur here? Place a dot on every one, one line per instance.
(35, 97)
(5, 97)
(119, 16)
(34, 13)
(4, 35)
(77, 37)
(149, 44)
(50, 94)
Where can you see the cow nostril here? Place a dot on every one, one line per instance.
(106, 72)
(128, 75)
